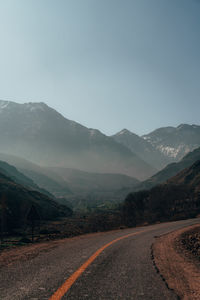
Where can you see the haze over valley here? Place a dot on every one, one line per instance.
(84, 166)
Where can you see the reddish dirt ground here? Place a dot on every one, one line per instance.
(8, 257)
(20, 253)
(176, 255)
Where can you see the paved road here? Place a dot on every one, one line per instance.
(124, 270)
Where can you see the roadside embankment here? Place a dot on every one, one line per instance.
(177, 259)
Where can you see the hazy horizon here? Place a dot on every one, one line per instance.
(107, 65)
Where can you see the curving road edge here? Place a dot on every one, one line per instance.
(180, 273)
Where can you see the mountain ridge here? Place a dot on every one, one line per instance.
(42, 135)
(141, 147)
(177, 198)
(175, 142)
(170, 170)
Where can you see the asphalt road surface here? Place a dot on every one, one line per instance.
(123, 270)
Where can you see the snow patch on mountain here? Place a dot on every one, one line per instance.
(3, 105)
(169, 151)
(175, 152)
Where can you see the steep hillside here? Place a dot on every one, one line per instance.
(189, 176)
(79, 187)
(42, 177)
(170, 170)
(40, 134)
(177, 198)
(175, 142)
(20, 178)
(16, 201)
(145, 150)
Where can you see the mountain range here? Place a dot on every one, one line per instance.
(169, 171)
(142, 147)
(163, 145)
(175, 142)
(49, 160)
(38, 133)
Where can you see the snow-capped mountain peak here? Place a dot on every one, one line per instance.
(175, 142)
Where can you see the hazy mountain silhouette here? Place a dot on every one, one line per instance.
(20, 178)
(80, 181)
(138, 145)
(70, 184)
(38, 133)
(44, 179)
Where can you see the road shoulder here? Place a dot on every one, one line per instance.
(176, 265)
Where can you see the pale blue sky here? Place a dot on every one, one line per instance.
(108, 64)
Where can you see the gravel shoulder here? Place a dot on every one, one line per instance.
(177, 260)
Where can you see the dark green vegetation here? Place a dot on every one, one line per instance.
(178, 198)
(16, 201)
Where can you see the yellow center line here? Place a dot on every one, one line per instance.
(62, 290)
